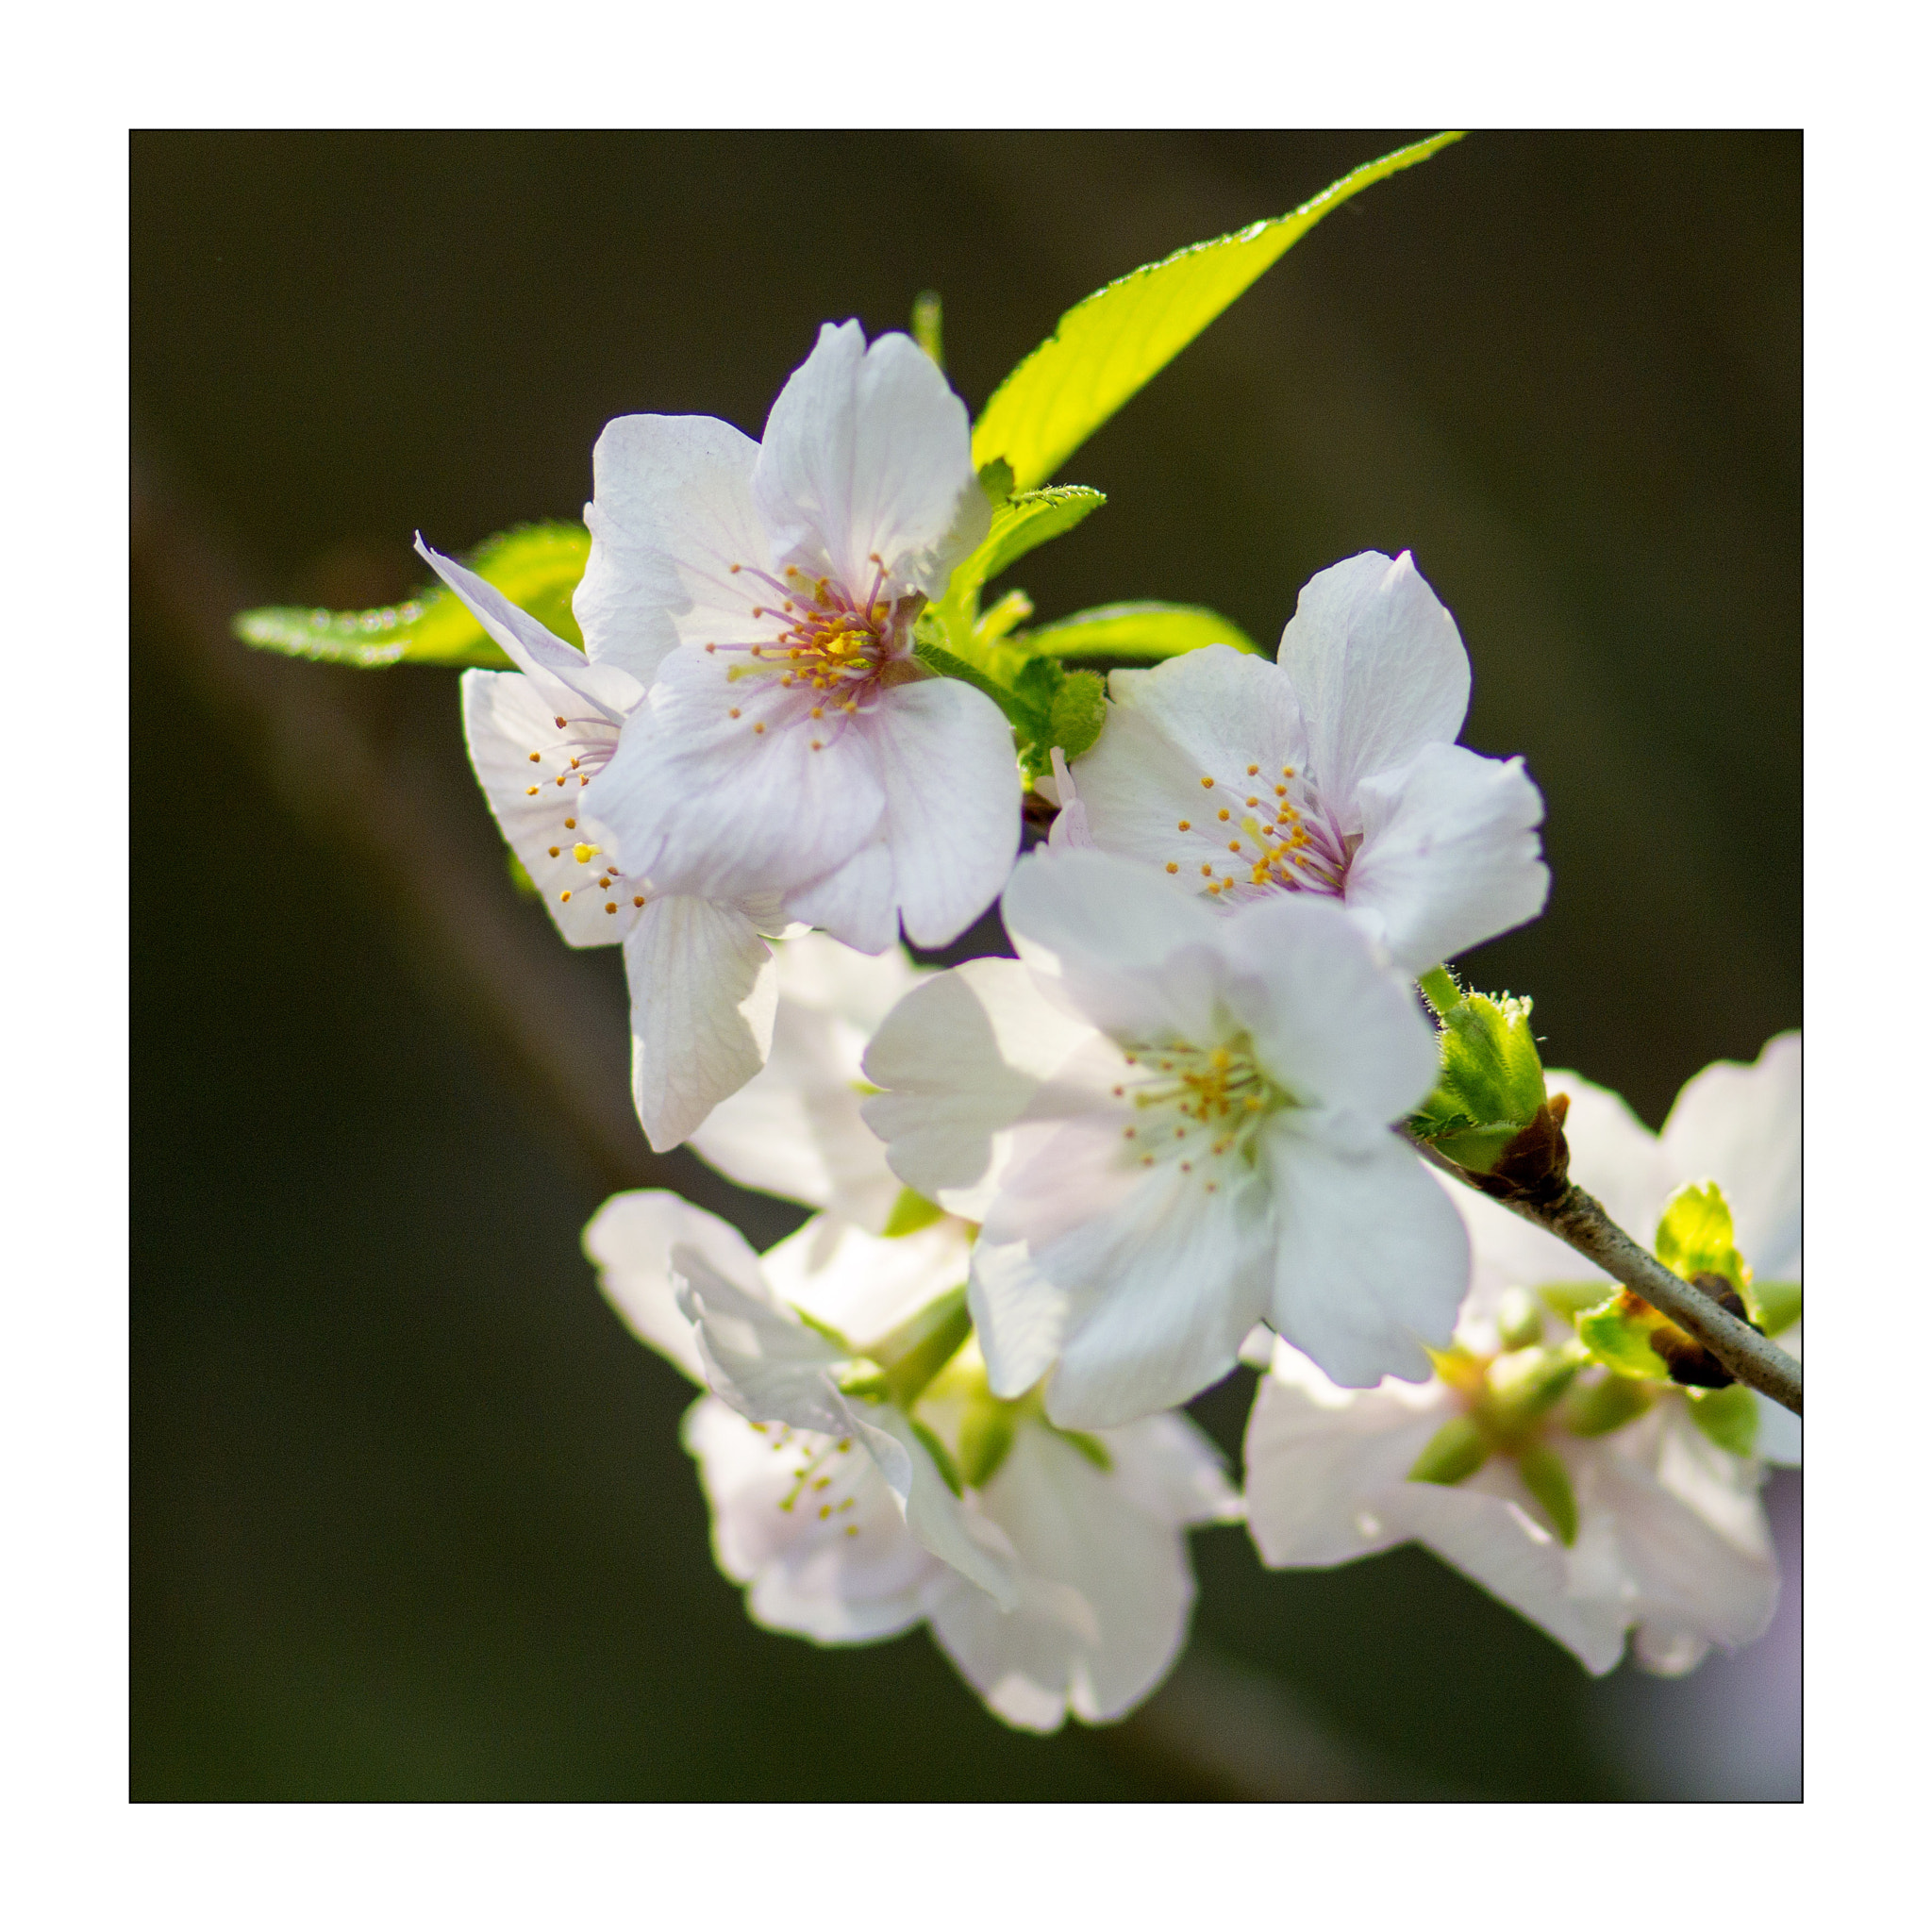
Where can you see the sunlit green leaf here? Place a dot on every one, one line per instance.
(1138, 630)
(1728, 1416)
(1107, 346)
(1775, 1304)
(1024, 522)
(1618, 1332)
(1694, 1236)
(536, 566)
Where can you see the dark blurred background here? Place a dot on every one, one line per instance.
(411, 1519)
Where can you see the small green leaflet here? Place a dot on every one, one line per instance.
(1728, 1416)
(1618, 1332)
(1137, 630)
(1694, 1237)
(1107, 347)
(1022, 523)
(1775, 1304)
(536, 566)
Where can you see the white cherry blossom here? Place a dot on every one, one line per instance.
(1088, 1532)
(795, 1130)
(791, 744)
(702, 990)
(1333, 771)
(1669, 1539)
(1172, 1124)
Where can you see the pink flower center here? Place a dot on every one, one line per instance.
(1276, 833)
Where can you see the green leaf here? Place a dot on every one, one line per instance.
(1024, 522)
(1490, 1085)
(1728, 1416)
(1147, 630)
(1775, 1304)
(1694, 1236)
(1080, 709)
(910, 1212)
(1548, 1481)
(1015, 607)
(536, 566)
(930, 652)
(1618, 1334)
(1570, 1298)
(1107, 347)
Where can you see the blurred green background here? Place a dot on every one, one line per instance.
(411, 1519)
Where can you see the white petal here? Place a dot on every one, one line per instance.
(1780, 1434)
(1449, 854)
(1743, 1127)
(1105, 1594)
(854, 900)
(702, 802)
(1172, 1471)
(1162, 1285)
(978, 1552)
(1379, 669)
(671, 512)
(1320, 1462)
(867, 453)
(1329, 1021)
(703, 991)
(535, 649)
(630, 1238)
(1219, 709)
(795, 1130)
(851, 1575)
(817, 973)
(945, 758)
(506, 718)
(863, 1286)
(1370, 1259)
(962, 1057)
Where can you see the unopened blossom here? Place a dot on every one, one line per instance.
(1594, 1504)
(1332, 771)
(795, 1130)
(702, 987)
(790, 744)
(1089, 1530)
(1174, 1125)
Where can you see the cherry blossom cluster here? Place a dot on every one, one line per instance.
(1057, 1195)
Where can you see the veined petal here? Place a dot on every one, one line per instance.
(962, 1057)
(945, 757)
(1371, 1258)
(702, 802)
(837, 1565)
(671, 512)
(1220, 709)
(1320, 1460)
(1743, 1127)
(536, 650)
(1330, 1022)
(1380, 671)
(868, 454)
(1105, 1594)
(630, 1238)
(703, 994)
(521, 747)
(1449, 854)
(854, 900)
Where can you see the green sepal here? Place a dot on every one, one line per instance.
(1548, 1481)
(1569, 1299)
(1107, 347)
(920, 1346)
(1454, 1453)
(1775, 1304)
(931, 651)
(1080, 709)
(1728, 1416)
(985, 1438)
(519, 876)
(1603, 1404)
(536, 566)
(1091, 1447)
(910, 1212)
(1524, 1386)
(927, 312)
(1146, 632)
(1617, 1332)
(941, 1458)
(1489, 1088)
(1695, 1237)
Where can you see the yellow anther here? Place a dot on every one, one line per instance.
(584, 853)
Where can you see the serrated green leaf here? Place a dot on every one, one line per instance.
(536, 566)
(1728, 1416)
(1775, 1304)
(1617, 1332)
(1107, 347)
(1145, 630)
(1694, 1237)
(1024, 522)
(1080, 709)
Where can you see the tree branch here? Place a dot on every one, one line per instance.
(1578, 1217)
